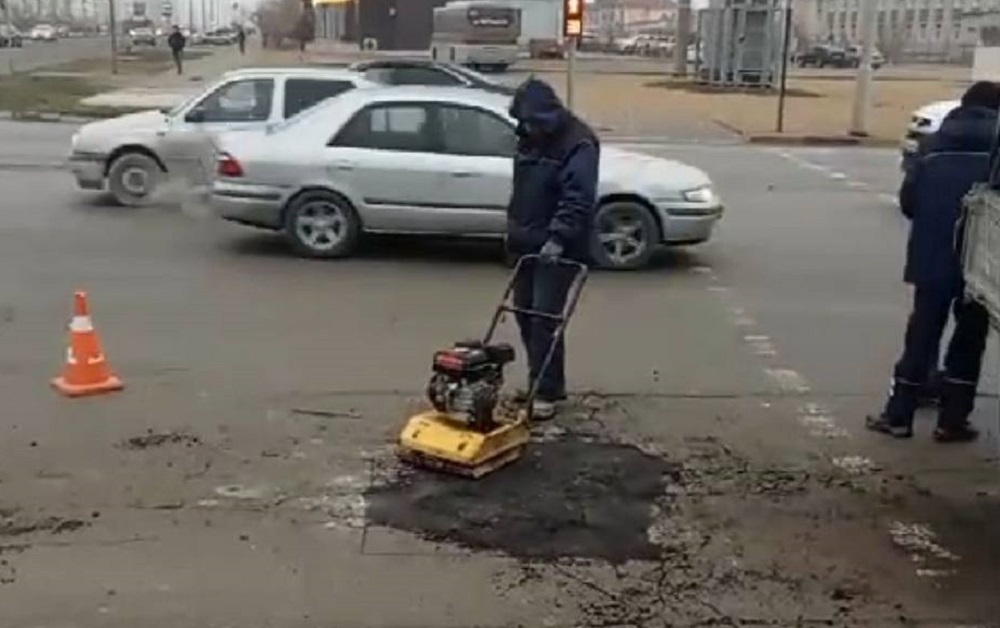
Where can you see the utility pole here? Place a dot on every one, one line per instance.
(572, 30)
(113, 27)
(786, 40)
(863, 85)
(682, 37)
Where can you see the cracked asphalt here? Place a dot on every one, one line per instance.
(710, 470)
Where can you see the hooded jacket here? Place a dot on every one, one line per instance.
(950, 162)
(555, 175)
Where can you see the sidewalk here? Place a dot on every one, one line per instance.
(167, 89)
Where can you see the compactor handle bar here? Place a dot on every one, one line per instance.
(561, 319)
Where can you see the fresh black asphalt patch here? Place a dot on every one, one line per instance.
(571, 498)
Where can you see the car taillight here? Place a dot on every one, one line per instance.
(228, 166)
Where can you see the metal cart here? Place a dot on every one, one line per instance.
(981, 253)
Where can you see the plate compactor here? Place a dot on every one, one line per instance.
(470, 430)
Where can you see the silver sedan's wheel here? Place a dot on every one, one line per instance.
(133, 178)
(625, 236)
(322, 224)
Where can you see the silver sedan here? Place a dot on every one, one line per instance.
(435, 161)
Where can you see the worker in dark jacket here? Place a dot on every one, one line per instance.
(952, 160)
(177, 41)
(550, 213)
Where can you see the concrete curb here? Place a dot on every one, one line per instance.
(819, 140)
(805, 139)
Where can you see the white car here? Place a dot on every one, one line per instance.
(923, 122)
(435, 161)
(121, 154)
(44, 32)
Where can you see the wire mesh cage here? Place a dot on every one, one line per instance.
(981, 249)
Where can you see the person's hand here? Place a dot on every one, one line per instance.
(551, 250)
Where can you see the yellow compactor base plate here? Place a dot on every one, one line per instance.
(432, 440)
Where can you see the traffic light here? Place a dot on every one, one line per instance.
(572, 18)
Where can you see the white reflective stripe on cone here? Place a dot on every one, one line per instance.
(81, 324)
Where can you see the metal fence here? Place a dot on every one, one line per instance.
(981, 256)
(981, 250)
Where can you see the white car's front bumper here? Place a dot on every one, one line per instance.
(88, 168)
(688, 223)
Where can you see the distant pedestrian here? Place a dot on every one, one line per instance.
(951, 161)
(241, 39)
(177, 41)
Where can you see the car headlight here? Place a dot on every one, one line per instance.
(703, 194)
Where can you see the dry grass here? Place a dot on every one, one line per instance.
(637, 106)
(21, 93)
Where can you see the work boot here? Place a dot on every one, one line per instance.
(963, 433)
(958, 399)
(896, 419)
(542, 410)
(885, 425)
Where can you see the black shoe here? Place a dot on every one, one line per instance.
(883, 425)
(964, 433)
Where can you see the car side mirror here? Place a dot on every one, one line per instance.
(195, 115)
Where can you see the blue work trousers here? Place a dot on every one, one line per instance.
(543, 287)
(963, 360)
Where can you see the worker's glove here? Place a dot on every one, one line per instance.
(551, 250)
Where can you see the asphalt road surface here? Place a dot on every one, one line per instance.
(710, 470)
(37, 54)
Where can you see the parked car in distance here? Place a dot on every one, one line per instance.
(121, 154)
(823, 56)
(44, 32)
(142, 36)
(10, 37)
(221, 37)
(546, 48)
(435, 161)
(854, 57)
(402, 71)
(194, 37)
(654, 46)
(923, 122)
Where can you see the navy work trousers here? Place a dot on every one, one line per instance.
(543, 287)
(963, 360)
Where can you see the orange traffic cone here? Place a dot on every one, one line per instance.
(86, 371)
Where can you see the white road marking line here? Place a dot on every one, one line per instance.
(761, 345)
(891, 199)
(855, 465)
(788, 380)
(837, 176)
(857, 185)
(918, 539)
(921, 541)
(701, 270)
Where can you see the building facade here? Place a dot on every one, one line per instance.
(616, 18)
(942, 28)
